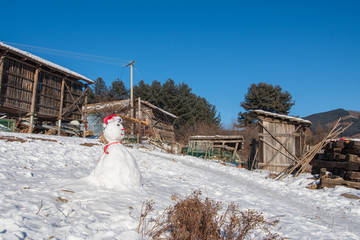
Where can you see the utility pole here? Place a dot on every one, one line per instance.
(131, 94)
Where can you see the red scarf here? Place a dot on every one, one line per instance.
(106, 147)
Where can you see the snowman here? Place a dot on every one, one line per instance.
(116, 167)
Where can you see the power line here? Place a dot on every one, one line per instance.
(138, 73)
(76, 55)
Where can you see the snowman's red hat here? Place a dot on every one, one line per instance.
(112, 118)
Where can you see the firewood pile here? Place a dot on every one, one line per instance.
(339, 164)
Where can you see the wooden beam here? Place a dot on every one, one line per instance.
(262, 140)
(75, 101)
(61, 105)
(235, 149)
(139, 124)
(33, 100)
(280, 134)
(25, 63)
(331, 183)
(85, 113)
(16, 87)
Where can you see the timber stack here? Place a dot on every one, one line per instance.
(339, 164)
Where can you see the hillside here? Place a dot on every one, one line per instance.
(328, 119)
(45, 193)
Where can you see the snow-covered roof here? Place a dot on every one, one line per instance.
(282, 117)
(217, 137)
(121, 104)
(161, 110)
(45, 62)
(103, 106)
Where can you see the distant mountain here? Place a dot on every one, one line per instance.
(328, 120)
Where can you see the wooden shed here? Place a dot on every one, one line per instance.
(39, 90)
(222, 147)
(146, 119)
(281, 140)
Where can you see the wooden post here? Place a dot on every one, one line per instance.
(85, 112)
(131, 98)
(2, 60)
(139, 123)
(33, 100)
(236, 147)
(61, 105)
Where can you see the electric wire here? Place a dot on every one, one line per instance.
(86, 57)
(76, 55)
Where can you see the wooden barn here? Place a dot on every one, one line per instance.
(39, 91)
(281, 140)
(145, 119)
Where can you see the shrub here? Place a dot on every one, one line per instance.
(195, 218)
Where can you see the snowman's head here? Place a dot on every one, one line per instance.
(114, 130)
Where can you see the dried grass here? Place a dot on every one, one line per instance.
(195, 218)
(90, 144)
(42, 139)
(12, 139)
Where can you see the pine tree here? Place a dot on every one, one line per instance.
(143, 91)
(169, 95)
(178, 99)
(155, 94)
(100, 91)
(91, 95)
(265, 97)
(118, 90)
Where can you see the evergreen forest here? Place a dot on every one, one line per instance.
(194, 112)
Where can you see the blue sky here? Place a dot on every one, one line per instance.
(219, 48)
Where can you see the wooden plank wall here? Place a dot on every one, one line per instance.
(49, 93)
(17, 84)
(17, 80)
(281, 131)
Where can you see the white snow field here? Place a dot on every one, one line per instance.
(45, 193)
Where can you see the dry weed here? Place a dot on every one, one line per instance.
(90, 144)
(42, 139)
(13, 139)
(62, 200)
(195, 218)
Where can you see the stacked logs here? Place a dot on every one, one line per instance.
(339, 164)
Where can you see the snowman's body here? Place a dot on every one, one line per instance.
(116, 167)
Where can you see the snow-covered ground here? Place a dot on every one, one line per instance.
(45, 193)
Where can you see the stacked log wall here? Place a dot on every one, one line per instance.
(341, 159)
